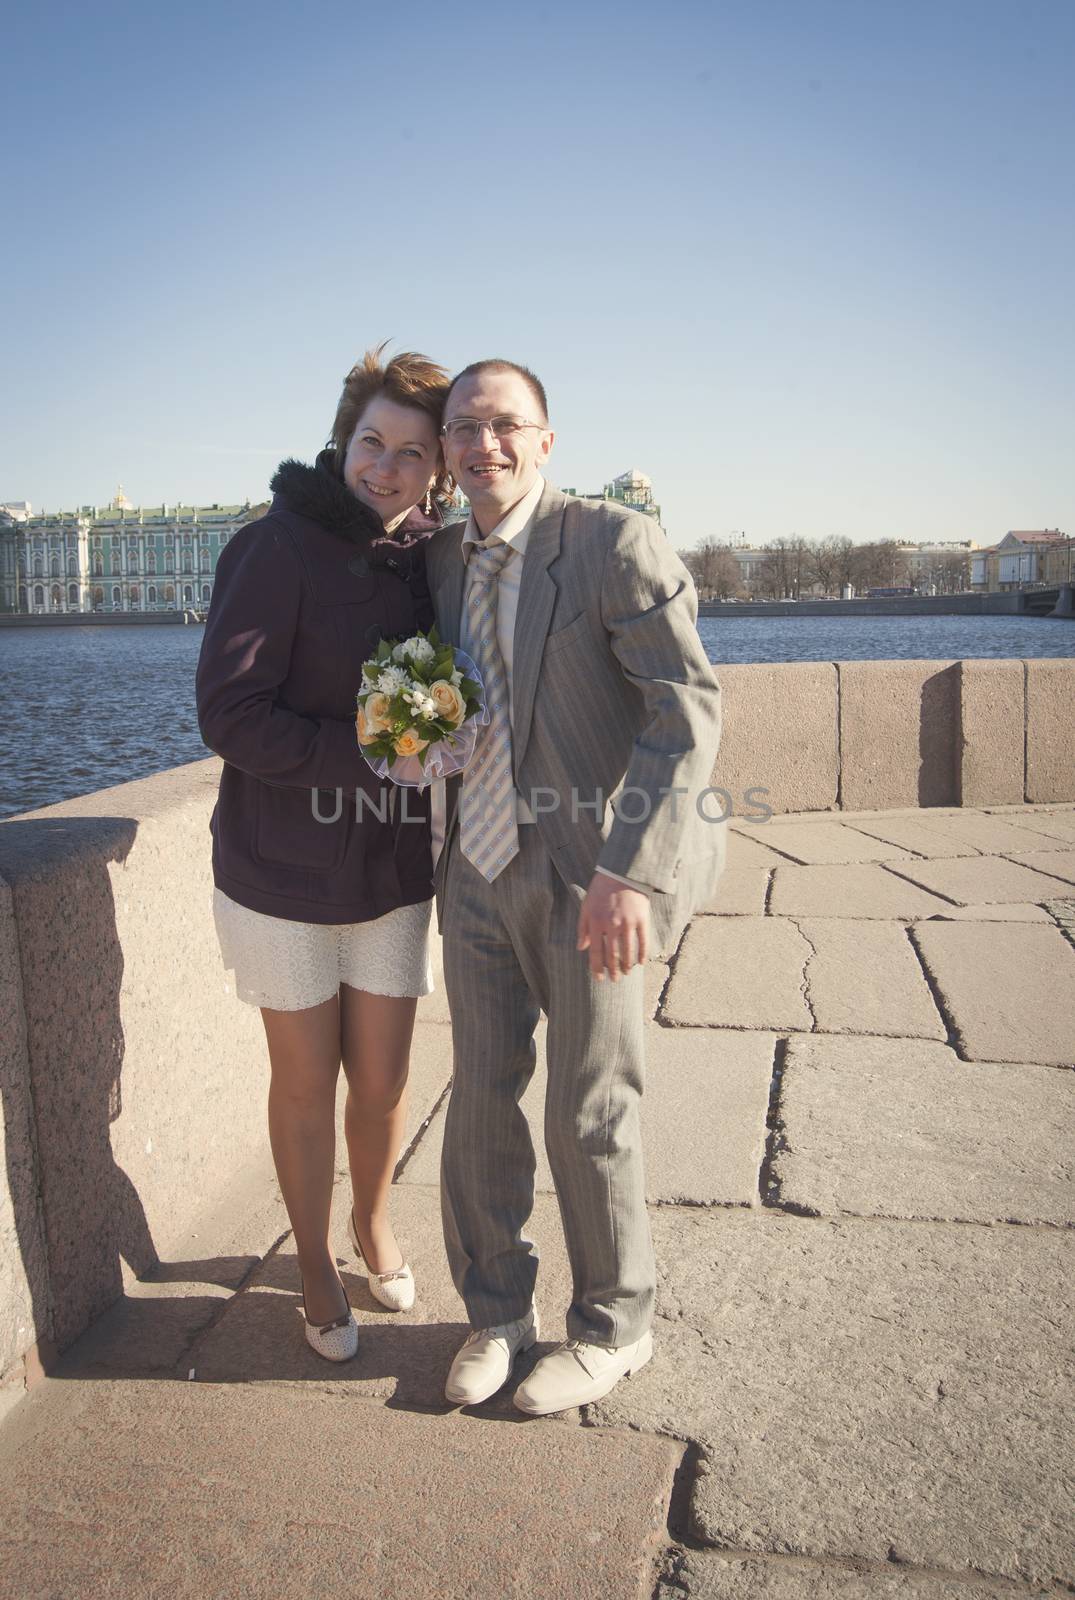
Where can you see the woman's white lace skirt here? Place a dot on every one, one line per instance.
(288, 966)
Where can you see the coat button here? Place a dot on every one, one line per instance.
(359, 566)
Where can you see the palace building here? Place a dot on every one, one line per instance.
(632, 488)
(119, 558)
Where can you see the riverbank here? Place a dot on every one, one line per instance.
(1020, 602)
(100, 619)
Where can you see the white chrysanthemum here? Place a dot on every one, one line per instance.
(391, 680)
(419, 649)
(399, 652)
(455, 678)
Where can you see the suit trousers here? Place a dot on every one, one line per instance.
(509, 953)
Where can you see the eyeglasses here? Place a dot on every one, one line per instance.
(464, 430)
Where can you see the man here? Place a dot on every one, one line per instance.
(583, 624)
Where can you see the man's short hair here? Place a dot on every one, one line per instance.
(531, 379)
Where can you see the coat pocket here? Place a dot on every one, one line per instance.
(306, 829)
(575, 631)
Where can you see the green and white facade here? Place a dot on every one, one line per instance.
(121, 558)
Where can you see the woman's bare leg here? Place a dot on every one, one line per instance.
(304, 1052)
(376, 1032)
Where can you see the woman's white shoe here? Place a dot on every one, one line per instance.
(337, 1340)
(394, 1290)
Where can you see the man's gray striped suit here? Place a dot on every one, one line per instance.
(612, 694)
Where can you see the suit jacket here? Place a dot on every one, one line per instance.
(614, 704)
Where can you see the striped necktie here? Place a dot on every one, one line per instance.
(488, 832)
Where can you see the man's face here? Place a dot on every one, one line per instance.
(495, 472)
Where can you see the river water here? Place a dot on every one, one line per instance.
(85, 708)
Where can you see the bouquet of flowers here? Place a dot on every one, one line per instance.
(419, 709)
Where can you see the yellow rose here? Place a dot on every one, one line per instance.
(409, 744)
(377, 710)
(448, 701)
(366, 734)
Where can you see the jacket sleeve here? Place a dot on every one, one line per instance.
(245, 658)
(649, 609)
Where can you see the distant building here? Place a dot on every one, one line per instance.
(1036, 555)
(750, 560)
(119, 558)
(632, 488)
(933, 566)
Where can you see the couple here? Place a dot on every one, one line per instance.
(549, 898)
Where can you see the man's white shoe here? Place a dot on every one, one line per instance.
(576, 1373)
(483, 1364)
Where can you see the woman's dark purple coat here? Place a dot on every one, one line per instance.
(301, 598)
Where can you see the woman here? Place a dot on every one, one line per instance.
(323, 877)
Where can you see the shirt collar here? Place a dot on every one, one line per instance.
(514, 529)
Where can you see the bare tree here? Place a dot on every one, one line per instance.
(879, 565)
(801, 565)
(787, 568)
(948, 574)
(714, 569)
(830, 563)
(692, 560)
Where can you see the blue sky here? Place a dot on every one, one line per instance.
(807, 263)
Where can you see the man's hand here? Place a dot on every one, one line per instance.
(613, 926)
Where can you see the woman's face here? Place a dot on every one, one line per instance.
(392, 459)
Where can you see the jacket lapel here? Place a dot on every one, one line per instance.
(537, 596)
(448, 595)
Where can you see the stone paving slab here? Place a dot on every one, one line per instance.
(1059, 826)
(864, 889)
(403, 1357)
(740, 892)
(854, 814)
(1032, 808)
(990, 835)
(188, 1490)
(743, 972)
(868, 1390)
(703, 1118)
(748, 848)
(902, 1128)
(983, 880)
(865, 977)
(1005, 912)
(1007, 988)
(1058, 863)
(704, 1575)
(828, 843)
(910, 832)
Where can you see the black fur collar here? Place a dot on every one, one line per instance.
(317, 493)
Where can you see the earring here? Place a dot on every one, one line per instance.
(429, 504)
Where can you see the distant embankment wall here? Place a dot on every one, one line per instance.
(94, 619)
(132, 1080)
(1001, 603)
